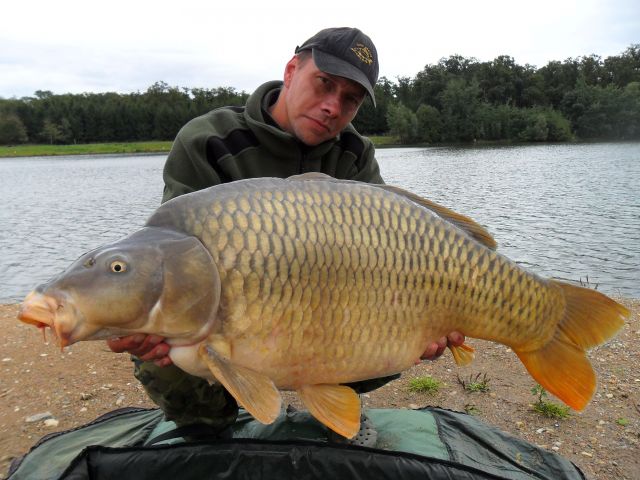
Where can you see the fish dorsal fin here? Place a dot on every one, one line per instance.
(336, 406)
(472, 228)
(254, 391)
(315, 176)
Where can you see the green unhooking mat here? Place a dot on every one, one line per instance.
(431, 443)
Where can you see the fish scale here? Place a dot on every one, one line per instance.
(323, 256)
(311, 282)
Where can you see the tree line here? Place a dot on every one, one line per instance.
(456, 100)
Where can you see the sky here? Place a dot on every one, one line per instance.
(71, 46)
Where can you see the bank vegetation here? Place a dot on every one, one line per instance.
(458, 99)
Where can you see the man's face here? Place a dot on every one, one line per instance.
(317, 105)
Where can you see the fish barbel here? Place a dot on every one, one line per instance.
(310, 282)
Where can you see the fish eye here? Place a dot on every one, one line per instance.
(118, 266)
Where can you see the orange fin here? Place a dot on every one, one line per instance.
(463, 355)
(336, 406)
(561, 366)
(254, 391)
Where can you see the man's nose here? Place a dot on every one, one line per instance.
(331, 105)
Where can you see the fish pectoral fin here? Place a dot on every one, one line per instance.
(336, 406)
(254, 391)
(463, 355)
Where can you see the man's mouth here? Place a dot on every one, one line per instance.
(320, 124)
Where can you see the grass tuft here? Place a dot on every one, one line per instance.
(426, 384)
(477, 383)
(545, 407)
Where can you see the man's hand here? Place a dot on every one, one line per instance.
(150, 348)
(436, 349)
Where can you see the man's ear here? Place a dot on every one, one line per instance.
(289, 70)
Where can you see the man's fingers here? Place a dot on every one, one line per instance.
(125, 344)
(455, 339)
(139, 345)
(148, 344)
(436, 349)
(158, 352)
(163, 362)
(442, 345)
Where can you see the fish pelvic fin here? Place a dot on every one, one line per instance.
(254, 391)
(336, 406)
(561, 366)
(463, 355)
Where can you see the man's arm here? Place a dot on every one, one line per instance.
(187, 169)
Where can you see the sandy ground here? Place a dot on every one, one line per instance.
(87, 380)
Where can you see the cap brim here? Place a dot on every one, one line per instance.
(335, 66)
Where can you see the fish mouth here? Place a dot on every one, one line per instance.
(40, 310)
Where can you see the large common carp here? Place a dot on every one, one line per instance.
(310, 282)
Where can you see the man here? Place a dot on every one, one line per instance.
(302, 124)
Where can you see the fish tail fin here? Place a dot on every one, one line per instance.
(463, 355)
(561, 366)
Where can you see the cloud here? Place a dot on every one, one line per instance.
(125, 46)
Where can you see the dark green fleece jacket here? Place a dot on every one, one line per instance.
(234, 143)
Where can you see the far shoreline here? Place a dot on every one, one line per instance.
(163, 147)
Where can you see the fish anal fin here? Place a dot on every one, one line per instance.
(254, 391)
(561, 366)
(463, 355)
(336, 406)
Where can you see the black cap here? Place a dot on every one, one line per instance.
(346, 52)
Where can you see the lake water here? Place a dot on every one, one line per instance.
(568, 211)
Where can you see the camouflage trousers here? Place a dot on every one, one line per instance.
(186, 399)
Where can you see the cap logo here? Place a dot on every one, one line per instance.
(363, 53)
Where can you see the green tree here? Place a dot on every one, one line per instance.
(51, 132)
(625, 68)
(536, 129)
(429, 124)
(558, 126)
(373, 120)
(402, 123)
(460, 105)
(12, 130)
